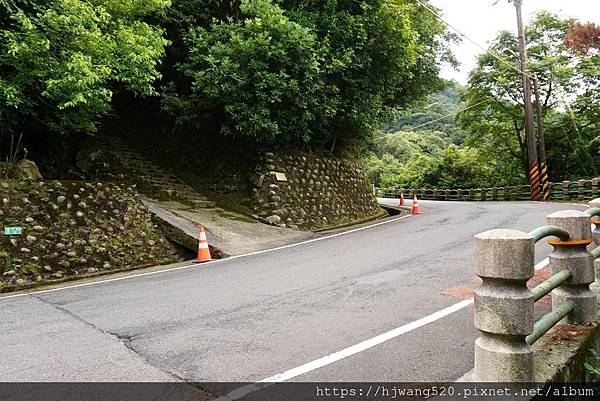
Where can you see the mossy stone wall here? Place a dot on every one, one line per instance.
(319, 192)
(75, 228)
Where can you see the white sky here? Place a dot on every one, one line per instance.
(481, 21)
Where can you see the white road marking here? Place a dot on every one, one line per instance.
(542, 264)
(344, 353)
(354, 349)
(316, 364)
(365, 345)
(203, 264)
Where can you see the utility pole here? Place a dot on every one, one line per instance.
(534, 174)
(540, 127)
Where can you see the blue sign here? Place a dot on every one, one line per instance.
(13, 231)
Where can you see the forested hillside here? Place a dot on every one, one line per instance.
(421, 146)
(246, 75)
(209, 85)
(474, 136)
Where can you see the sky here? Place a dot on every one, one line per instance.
(481, 21)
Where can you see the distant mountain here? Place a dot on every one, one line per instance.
(435, 114)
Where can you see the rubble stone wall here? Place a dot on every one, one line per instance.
(316, 192)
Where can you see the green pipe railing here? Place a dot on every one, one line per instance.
(596, 253)
(595, 211)
(545, 287)
(548, 321)
(549, 231)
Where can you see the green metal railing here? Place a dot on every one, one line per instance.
(553, 282)
(549, 231)
(548, 321)
(595, 211)
(563, 191)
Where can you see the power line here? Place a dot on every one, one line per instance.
(560, 92)
(446, 116)
(491, 52)
(452, 114)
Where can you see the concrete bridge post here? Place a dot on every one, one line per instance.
(504, 260)
(565, 190)
(581, 189)
(573, 256)
(596, 243)
(595, 187)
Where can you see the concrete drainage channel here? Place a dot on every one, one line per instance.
(233, 236)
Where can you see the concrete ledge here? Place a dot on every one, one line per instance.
(395, 210)
(180, 230)
(559, 356)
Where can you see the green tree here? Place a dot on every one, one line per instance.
(402, 145)
(569, 85)
(436, 113)
(264, 71)
(62, 61)
(314, 74)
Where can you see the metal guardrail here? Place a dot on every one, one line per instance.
(504, 305)
(565, 190)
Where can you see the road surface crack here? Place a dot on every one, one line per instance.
(126, 340)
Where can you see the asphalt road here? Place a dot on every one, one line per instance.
(253, 317)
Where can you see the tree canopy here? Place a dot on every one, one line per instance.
(316, 74)
(568, 84)
(313, 74)
(563, 57)
(61, 61)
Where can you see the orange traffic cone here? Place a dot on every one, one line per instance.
(415, 206)
(203, 250)
(402, 199)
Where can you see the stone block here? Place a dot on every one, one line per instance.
(505, 254)
(577, 223)
(498, 360)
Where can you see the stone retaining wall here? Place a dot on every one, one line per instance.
(73, 229)
(316, 192)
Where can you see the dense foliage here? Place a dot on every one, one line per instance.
(311, 74)
(315, 74)
(583, 37)
(419, 147)
(569, 84)
(263, 70)
(437, 113)
(563, 56)
(61, 63)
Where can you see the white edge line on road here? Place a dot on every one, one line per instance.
(354, 349)
(346, 352)
(542, 264)
(370, 343)
(203, 264)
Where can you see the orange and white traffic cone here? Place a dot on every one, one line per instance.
(415, 206)
(203, 250)
(401, 199)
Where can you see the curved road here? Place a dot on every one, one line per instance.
(258, 316)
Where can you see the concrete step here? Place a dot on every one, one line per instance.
(203, 204)
(148, 172)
